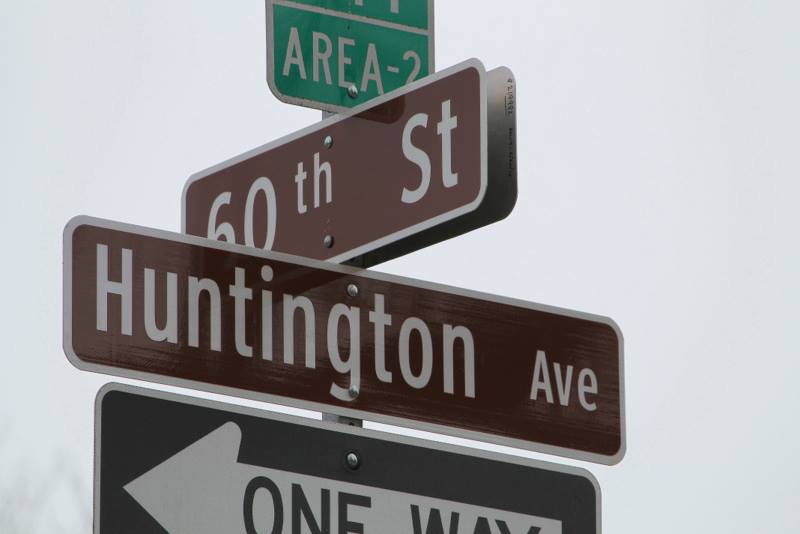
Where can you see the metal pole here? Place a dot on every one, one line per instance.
(329, 416)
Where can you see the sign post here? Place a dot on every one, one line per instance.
(261, 298)
(428, 162)
(188, 466)
(187, 311)
(336, 54)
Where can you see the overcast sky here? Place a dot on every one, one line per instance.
(658, 176)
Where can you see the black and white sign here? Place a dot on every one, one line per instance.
(166, 463)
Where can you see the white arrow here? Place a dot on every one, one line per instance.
(201, 490)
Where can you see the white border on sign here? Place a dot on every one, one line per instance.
(320, 126)
(314, 104)
(82, 220)
(325, 425)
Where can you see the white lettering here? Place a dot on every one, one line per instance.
(444, 129)
(409, 325)
(170, 330)
(195, 288)
(352, 365)
(290, 304)
(381, 320)
(587, 382)
(372, 70)
(449, 336)
(200, 315)
(299, 178)
(241, 294)
(563, 385)
(294, 55)
(418, 157)
(325, 167)
(223, 231)
(123, 289)
(261, 185)
(584, 388)
(394, 5)
(322, 57)
(266, 315)
(344, 60)
(541, 378)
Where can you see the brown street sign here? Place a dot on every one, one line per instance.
(422, 164)
(192, 312)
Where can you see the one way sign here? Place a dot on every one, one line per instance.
(173, 464)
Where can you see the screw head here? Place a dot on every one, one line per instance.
(352, 459)
(328, 142)
(353, 392)
(352, 91)
(352, 290)
(327, 241)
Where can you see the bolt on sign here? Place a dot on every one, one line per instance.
(192, 312)
(428, 162)
(337, 54)
(166, 463)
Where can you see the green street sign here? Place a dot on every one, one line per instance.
(336, 54)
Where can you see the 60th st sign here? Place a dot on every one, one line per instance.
(417, 166)
(187, 311)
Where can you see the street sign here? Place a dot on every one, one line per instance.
(337, 54)
(204, 314)
(166, 463)
(410, 169)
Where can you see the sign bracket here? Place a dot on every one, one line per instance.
(349, 421)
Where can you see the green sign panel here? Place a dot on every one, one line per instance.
(336, 54)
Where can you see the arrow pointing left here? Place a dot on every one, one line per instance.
(199, 489)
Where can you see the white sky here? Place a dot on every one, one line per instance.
(659, 168)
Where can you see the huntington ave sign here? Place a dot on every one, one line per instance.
(187, 311)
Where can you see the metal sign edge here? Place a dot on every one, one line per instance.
(73, 358)
(326, 425)
(314, 104)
